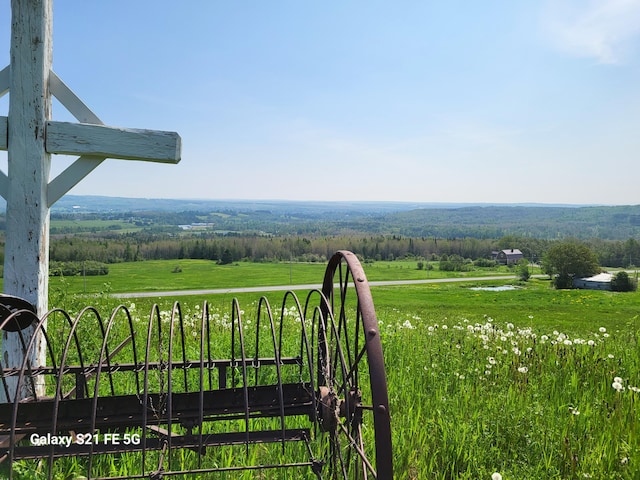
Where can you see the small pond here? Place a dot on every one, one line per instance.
(501, 288)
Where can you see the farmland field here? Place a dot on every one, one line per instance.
(187, 274)
(531, 383)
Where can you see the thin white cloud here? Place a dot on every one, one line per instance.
(602, 29)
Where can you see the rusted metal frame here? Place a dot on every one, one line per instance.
(377, 376)
(125, 410)
(132, 367)
(373, 351)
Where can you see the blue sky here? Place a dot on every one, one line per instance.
(420, 101)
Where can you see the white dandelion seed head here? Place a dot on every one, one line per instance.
(618, 387)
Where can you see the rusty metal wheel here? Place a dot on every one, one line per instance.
(353, 405)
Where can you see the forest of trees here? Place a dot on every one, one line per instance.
(311, 232)
(114, 248)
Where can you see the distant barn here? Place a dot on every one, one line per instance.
(509, 256)
(601, 281)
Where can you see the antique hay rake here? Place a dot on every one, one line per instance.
(302, 390)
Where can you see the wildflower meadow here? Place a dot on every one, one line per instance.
(492, 399)
(524, 384)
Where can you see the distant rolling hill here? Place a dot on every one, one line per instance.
(443, 220)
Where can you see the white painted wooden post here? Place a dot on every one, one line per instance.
(27, 246)
(31, 136)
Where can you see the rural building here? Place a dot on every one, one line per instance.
(602, 281)
(509, 256)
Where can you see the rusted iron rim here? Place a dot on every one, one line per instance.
(345, 267)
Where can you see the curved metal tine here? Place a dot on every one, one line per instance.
(176, 311)
(345, 388)
(25, 354)
(111, 354)
(204, 318)
(5, 385)
(311, 350)
(72, 336)
(278, 357)
(103, 359)
(262, 302)
(343, 331)
(154, 314)
(184, 353)
(26, 365)
(209, 358)
(132, 335)
(245, 390)
(358, 447)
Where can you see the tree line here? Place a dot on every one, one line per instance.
(110, 247)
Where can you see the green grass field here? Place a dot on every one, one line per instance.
(159, 275)
(531, 383)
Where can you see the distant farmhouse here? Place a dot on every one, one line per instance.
(601, 281)
(509, 256)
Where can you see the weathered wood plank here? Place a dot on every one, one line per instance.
(26, 258)
(111, 142)
(70, 101)
(4, 133)
(4, 185)
(5, 80)
(70, 177)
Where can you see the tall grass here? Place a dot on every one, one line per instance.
(530, 384)
(471, 398)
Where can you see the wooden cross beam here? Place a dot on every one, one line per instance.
(31, 136)
(90, 138)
